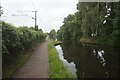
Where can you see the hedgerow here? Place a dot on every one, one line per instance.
(17, 40)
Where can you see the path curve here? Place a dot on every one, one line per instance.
(37, 65)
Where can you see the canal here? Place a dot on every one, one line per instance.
(90, 61)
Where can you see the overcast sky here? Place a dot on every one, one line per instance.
(50, 12)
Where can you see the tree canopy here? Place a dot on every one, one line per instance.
(52, 34)
(93, 22)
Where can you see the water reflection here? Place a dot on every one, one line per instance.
(92, 61)
(99, 55)
(70, 66)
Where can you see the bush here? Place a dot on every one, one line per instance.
(18, 40)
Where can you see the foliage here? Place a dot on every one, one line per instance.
(16, 41)
(56, 72)
(52, 34)
(60, 34)
(94, 22)
(70, 31)
(10, 70)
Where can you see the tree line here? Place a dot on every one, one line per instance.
(94, 22)
(17, 40)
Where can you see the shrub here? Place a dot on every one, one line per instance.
(18, 40)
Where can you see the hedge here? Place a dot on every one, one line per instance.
(17, 40)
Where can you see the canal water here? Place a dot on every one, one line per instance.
(90, 61)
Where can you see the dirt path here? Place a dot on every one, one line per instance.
(37, 65)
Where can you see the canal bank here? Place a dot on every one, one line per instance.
(56, 66)
(71, 67)
(87, 60)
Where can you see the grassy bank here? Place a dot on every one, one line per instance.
(100, 41)
(56, 67)
(10, 70)
(92, 41)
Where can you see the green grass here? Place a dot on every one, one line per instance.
(10, 70)
(92, 41)
(56, 67)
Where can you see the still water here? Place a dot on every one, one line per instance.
(69, 65)
(90, 61)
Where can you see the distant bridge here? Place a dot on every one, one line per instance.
(58, 43)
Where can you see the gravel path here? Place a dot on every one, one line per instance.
(37, 65)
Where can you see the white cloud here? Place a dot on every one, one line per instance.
(50, 12)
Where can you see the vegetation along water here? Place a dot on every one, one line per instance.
(89, 43)
(90, 38)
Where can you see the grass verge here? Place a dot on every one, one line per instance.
(56, 67)
(92, 41)
(10, 70)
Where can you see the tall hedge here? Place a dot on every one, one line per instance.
(16, 40)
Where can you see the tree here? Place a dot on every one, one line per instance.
(60, 34)
(95, 21)
(70, 31)
(52, 34)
